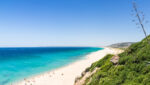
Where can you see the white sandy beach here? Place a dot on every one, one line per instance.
(66, 75)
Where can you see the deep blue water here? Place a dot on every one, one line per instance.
(18, 63)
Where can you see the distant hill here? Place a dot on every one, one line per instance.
(121, 45)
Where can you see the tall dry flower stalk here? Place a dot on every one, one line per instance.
(140, 19)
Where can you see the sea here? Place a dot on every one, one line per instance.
(17, 63)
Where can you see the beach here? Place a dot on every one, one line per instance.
(66, 75)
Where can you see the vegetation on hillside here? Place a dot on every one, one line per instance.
(133, 67)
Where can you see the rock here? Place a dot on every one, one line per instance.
(115, 59)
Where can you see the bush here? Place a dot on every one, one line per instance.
(133, 68)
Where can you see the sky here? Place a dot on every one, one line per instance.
(25, 23)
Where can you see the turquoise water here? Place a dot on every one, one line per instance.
(18, 63)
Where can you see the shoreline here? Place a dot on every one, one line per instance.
(66, 75)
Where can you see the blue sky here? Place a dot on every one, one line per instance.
(69, 22)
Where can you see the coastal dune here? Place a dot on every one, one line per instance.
(67, 75)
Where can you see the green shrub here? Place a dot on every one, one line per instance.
(101, 62)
